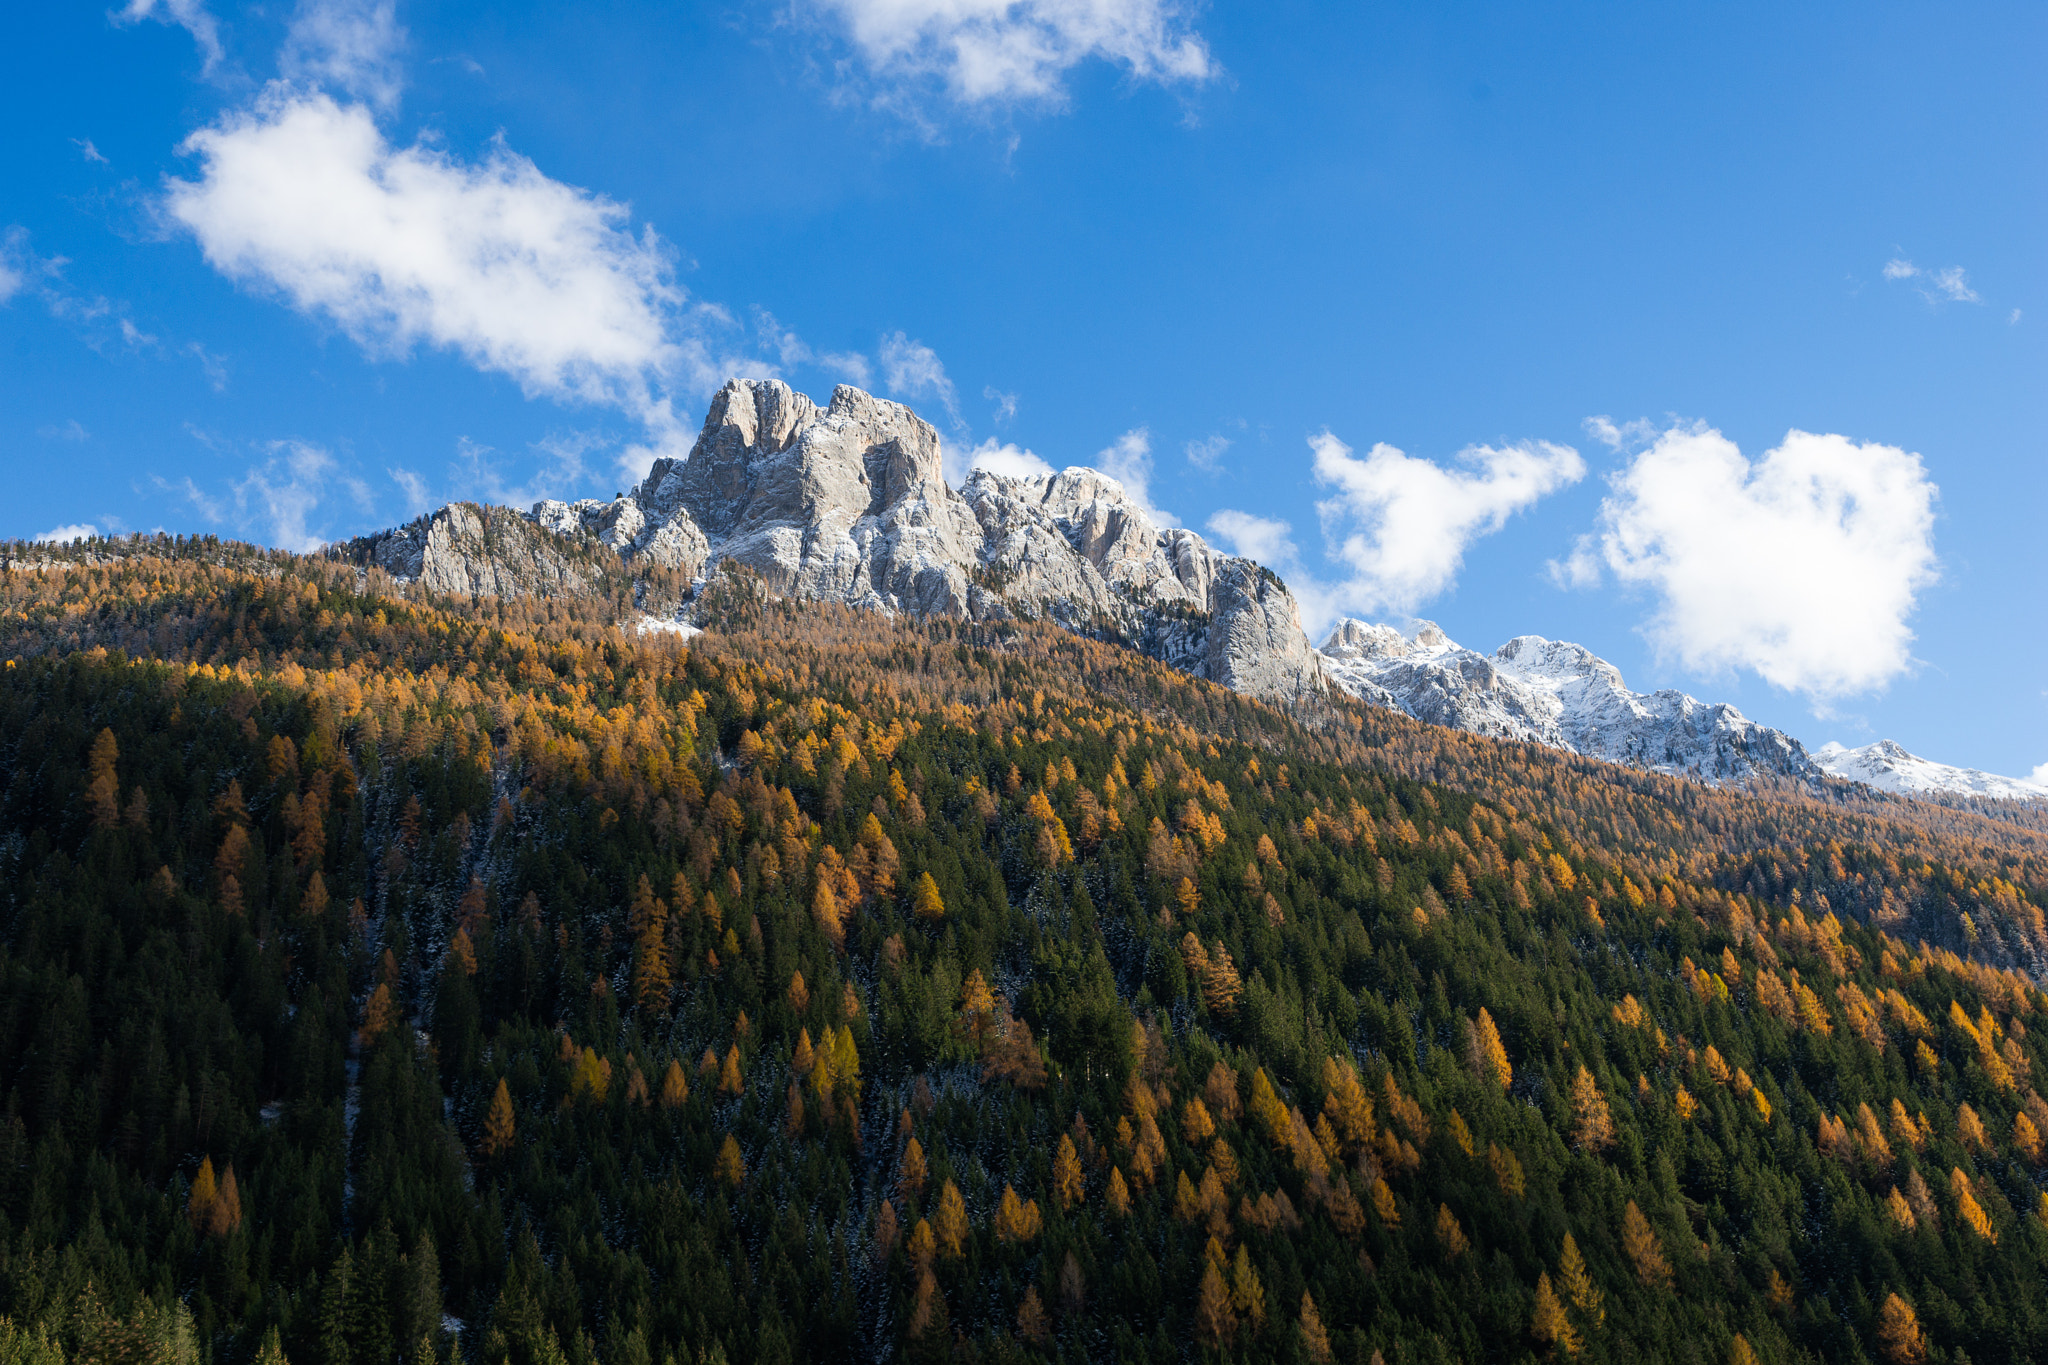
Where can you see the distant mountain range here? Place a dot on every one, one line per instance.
(1890, 768)
(1562, 695)
(1556, 694)
(849, 503)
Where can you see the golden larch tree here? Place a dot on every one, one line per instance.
(1593, 1126)
(950, 1226)
(675, 1086)
(103, 788)
(731, 1166)
(1315, 1342)
(927, 904)
(1898, 1332)
(1215, 1317)
(1549, 1324)
(498, 1122)
(1119, 1195)
(1578, 1284)
(1489, 1056)
(1067, 1179)
(1644, 1249)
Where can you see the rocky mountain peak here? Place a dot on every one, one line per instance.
(849, 503)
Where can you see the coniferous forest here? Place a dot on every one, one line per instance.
(394, 978)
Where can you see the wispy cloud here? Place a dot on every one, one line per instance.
(73, 430)
(88, 151)
(847, 367)
(414, 488)
(1128, 460)
(212, 364)
(912, 369)
(1803, 566)
(1207, 453)
(1006, 403)
(64, 535)
(347, 45)
(1948, 284)
(190, 15)
(282, 495)
(564, 470)
(988, 52)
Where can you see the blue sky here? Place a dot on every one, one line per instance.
(1348, 287)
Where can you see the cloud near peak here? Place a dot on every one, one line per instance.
(520, 274)
(1803, 566)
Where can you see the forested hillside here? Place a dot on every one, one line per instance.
(386, 977)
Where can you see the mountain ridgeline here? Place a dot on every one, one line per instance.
(848, 503)
(391, 974)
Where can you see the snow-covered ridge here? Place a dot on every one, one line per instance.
(1566, 697)
(1553, 693)
(1888, 767)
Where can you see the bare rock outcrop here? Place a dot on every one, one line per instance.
(485, 551)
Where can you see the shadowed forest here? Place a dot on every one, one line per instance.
(389, 978)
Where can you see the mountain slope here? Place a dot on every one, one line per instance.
(851, 986)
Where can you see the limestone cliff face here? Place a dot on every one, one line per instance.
(485, 551)
(850, 503)
(1074, 547)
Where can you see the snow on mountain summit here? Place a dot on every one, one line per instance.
(1888, 767)
(1554, 693)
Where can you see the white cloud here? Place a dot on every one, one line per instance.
(518, 273)
(347, 45)
(2040, 773)
(190, 15)
(564, 470)
(1011, 461)
(1128, 460)
(1268, 541)
(991, 51)
(912, 369)
(213, 364)
(1006, 403)
(88, 151)
(849, 367)
(1949, 284)
(1400, 525)
(417, 498)
(73, 430)
(15, 262)
(1207, 453)
(279, 497)
(1803, 566)
(208, 507)
(64, 535)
